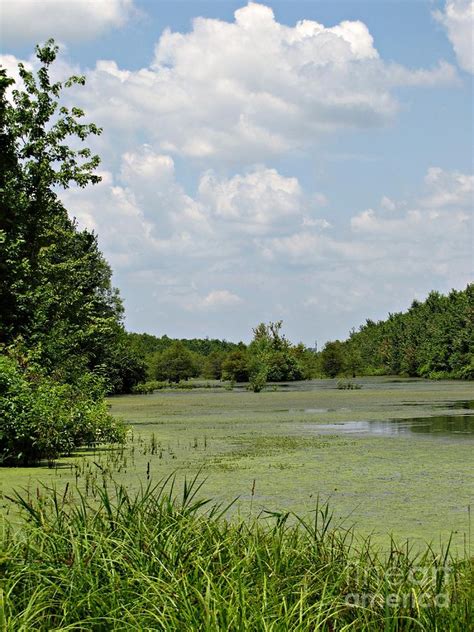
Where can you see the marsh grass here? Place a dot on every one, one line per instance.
(156, 559)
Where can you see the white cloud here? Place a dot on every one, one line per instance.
(430, 238)
(75, 20)
(217, 299)
(247, 90)
(387, 203)
(448, 189)
(254, 240)
(197, 219)
(458, 19)
(256, 202)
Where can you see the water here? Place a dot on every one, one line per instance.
(437, 425)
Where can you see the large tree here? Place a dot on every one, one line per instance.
(56, 293)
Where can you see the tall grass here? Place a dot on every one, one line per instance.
(159, 560)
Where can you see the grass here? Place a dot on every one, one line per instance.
(109, 559)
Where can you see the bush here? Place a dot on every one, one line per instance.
(42, 419)
(146, 388)
(347, 385)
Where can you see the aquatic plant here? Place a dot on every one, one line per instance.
(112, 560)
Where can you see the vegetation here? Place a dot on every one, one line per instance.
(58, 304)
(205, 356)
(119, 561)
(269, 358)
(43, 419)
(99, 556)
(434, 339)
(174, 364)
(235, 367)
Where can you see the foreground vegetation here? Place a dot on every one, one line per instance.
(111, 560)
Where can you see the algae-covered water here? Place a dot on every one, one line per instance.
(396, 456)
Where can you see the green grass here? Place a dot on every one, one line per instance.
(108, 559)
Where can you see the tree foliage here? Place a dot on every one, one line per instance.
(174, 364)
(55, 285)
(433, 338)
(57, 302)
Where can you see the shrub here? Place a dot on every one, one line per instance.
(347, 385)
(41, 418)
(146, 388)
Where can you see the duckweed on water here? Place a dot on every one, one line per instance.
(413, 485)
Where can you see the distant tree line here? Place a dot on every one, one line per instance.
(270, 357)
(433, 338)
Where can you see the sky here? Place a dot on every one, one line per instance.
(309, 162)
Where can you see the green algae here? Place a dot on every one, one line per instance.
(267, 450)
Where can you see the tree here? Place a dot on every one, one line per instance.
(60, 322)
(212, 365)
(332, 358)
(235, 367)
(175, 364)
(433, 338)
(55, 285)
(272, 355)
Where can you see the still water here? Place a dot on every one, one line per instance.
(437, 425)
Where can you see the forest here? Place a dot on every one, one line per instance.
(433, 339)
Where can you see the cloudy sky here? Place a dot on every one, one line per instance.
(304, 161)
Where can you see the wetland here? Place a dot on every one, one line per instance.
(395, 457)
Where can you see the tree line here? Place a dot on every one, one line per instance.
(269, 357)
(434, 338)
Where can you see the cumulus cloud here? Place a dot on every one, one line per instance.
(253, 88)
(432, 235)
(447, 189)
(31, 21)
(258, 201)
(145, 205)
(217, 299)
(428, 238)
(257, 240)
(242, 91)
(190, 251)
(458, 20)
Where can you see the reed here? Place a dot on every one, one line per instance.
(156, 559)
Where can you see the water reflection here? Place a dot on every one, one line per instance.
(439, 425)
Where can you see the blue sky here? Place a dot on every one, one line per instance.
(304, 161)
